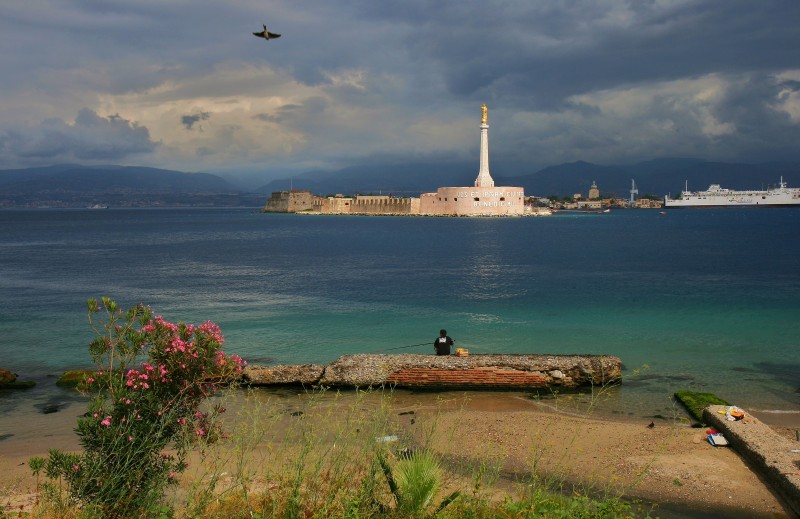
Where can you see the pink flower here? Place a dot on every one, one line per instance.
(106, 422)
(89, 380)
(130, 438)
(200, 432)
(75, 468)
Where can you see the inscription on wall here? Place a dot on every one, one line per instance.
(473, 194)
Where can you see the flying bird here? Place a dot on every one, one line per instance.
(266, 34)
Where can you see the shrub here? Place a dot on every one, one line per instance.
(151, 378)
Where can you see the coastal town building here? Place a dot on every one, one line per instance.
(594, 191)
(649, 203)
(481, 199)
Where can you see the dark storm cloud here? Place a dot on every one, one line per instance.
(763, 131)
(188, 121)
(540, 53)
(351, 80)
(91, 137)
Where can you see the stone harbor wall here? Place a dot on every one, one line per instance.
(431, 371)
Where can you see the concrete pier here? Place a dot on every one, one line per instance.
(775, 458)
(447, 372)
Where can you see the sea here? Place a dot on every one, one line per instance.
(705, 300)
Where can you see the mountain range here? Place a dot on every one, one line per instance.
(655, 177)
(68, 185)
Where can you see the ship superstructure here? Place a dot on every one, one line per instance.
(717, 196)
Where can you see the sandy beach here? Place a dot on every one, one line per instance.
(670, 464)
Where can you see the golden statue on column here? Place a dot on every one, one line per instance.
(484, 114)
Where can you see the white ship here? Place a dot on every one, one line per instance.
(717, 196)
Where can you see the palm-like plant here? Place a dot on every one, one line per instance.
(414, 481)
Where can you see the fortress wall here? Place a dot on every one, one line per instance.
(332, 205)
(385, 205)
(289, 202)
(277, 203)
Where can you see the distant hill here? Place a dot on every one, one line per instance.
(409, 179)
(69, 185)
(655, 177)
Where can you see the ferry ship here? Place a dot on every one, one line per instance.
(717, 196)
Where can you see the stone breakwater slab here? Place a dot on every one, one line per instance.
(306, 374)
(775, 458)
(431, 371)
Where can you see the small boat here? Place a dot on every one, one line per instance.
(97, 206)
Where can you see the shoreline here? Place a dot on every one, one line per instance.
(670, 463)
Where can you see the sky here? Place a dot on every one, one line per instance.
(184, 85)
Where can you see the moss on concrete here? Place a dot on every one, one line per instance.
(695, 402)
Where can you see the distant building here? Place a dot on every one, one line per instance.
(594, 192)
(289, 201)
(647, 203)
(589, 204)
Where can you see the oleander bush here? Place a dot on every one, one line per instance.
(144, 414)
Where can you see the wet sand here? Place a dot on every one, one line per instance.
(670, 463)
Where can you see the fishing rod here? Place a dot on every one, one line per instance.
(416, 345)
(404, 347)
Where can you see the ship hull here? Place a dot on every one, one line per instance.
(674, 204)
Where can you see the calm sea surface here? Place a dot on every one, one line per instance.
(706, 300)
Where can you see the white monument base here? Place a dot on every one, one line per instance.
(473, 201)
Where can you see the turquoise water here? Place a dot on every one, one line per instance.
(706, 300)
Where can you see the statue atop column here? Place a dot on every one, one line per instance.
(484, 114)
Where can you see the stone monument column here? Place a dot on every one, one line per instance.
(484, 178)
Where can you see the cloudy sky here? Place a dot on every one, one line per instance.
(183, 84)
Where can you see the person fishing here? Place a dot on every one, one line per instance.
(442, 343)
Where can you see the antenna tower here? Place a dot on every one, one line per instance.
(634, 192)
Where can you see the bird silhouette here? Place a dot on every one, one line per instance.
(652, 424)
(266, 34)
